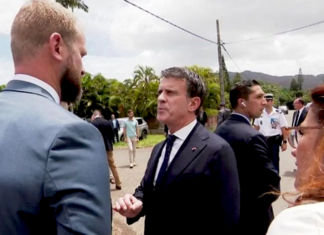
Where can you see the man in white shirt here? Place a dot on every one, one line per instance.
(54, 176)
(191, 167)
(272, 124)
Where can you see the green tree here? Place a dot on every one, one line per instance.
(145, 91)
(74, 4)
(2, 87)
(300, 80)
(286, 96)
(271, 88)
(227, 82)
(294, 85)
(206, 73)
(237, 78)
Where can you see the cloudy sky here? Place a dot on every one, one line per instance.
(120, 36)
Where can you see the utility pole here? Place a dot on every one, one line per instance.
(221, 78)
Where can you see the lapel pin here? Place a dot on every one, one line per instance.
(193, 148)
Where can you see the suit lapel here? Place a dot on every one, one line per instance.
(189, 150)
(302, 116)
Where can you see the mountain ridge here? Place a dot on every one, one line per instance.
(310, 81)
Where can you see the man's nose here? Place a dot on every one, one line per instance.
(161, 97)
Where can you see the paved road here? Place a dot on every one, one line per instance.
(131, 178)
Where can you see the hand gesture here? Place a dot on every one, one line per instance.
(128, 206)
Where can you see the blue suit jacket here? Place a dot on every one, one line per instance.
(54, 175)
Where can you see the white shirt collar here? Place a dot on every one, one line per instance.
(40, 83)
(265, 111)
(185, 131)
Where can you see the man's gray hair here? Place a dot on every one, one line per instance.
(195, 84)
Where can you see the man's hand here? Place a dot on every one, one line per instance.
(128, 206)
(283, 147)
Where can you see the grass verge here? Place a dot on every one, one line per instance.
(150, 141)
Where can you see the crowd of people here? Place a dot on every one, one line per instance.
(55, 179)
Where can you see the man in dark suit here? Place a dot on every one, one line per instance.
(258, 177)
(54, 176)
(223, 114)
(107, 133)
(191, 182)
(202, 116)
(300, 113)
(116, 127)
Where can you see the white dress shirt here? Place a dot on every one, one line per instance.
(299, 220)
(181, 135)
(40, 83)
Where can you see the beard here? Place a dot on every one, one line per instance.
(71, 87)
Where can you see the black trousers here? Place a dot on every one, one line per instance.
(116, 134)
(274, 143)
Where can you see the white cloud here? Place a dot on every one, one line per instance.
(7, 14)
(121, 36)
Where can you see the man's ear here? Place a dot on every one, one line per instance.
(241, 103)
(56, 46)
(194, 104)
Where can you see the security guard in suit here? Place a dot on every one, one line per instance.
(272, 125)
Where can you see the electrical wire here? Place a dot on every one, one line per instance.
(280, 33)
(168, 22)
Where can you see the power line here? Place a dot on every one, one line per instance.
(168, 22)
(283, 32)
(231, 58)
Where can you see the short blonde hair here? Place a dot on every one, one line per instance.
(35, 22)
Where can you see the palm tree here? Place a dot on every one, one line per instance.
(74, 4)
(146, 83)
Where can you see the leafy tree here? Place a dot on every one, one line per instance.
(2, 87)
(300, 80)
(237, 78)
(306, 96)
(271, 88)
(227, 82)
(294, 85)
(145, 95)
(206, 73)
(286, 96)
(74, 4)
(212, 83)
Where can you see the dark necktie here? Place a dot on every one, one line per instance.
(296, 118)
(164, 166)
